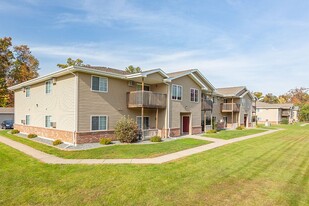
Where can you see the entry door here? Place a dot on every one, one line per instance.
(185, 124)
(225, 121)
(245, 120)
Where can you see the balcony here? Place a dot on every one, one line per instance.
(285, 113)
(230, 107)
(146, 99)
(206, 105)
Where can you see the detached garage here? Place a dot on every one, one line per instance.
(6, 113)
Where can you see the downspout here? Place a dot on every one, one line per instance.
(168, 109)
(75, 105)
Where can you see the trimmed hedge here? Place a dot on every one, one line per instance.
(211, 131)
(155, 139)
(126, 130)
(32, 135)
(105, 141)
(57, 142)
(240, 127)
(14, 131)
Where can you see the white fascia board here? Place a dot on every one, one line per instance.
(198, 82)
(65, 71)
(205, 79)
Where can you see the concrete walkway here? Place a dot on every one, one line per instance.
(51, 159)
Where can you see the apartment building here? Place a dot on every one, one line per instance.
(82, 104)
(274, 113)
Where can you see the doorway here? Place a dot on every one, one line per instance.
(185, 124)
(245, 120)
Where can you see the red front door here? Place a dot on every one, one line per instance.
(185, 124)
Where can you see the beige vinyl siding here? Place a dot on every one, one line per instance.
(246, 108)
(272, 114)
(59, 104)
(113, 103)
(216, 111)
(185, 105)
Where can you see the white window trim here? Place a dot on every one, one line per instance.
(50, 121)
(28, 87)
(26, 119)
(99, 85)
(144, 117)
(198, 93)
(99, 115)
(147, 85)
(181, 93)
(51, 90)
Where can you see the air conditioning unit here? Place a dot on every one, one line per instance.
(131, 83)
(54, 80)
(23, 121)
(53, 124)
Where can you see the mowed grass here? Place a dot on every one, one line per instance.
(230, 134)
(115, 151)
(267, 170)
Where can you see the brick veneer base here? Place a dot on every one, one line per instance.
(65, 136)
(91, 137)
(196, 130)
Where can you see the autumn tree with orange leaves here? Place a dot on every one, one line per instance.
(17, 65)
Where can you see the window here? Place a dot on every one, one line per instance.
(99, 123)
(48, 121)
(194, 95)
(146, 122)
(48, 87)
(27, 91)
(139, 87)
(99, 84)
(176, 92)
(27, 119)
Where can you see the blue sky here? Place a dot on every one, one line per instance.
(261, 44)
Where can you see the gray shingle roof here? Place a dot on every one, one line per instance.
(232, 91)
(6, 110)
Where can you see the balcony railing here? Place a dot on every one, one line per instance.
(230, 107)
(206, 105)
(146, 99)
(285, 113)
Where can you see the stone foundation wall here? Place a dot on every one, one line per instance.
(196, 130)
(175, 132)
(65, 136)
(92, 137)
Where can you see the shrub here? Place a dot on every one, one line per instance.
(32, 135)
(105, 141)
(14, 131)
(57, 142)
(155, 139)
(211, 131)
(126, 130)
(240, 127)
(284, 121)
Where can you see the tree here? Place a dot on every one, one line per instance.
(304, 112)
(258, 95)
(132, 69)
(270, 98)
(283, 99)
(298, 96)
(6, 57)
(16, 66)
(72, 62)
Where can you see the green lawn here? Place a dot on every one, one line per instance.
(267, 170)
(230, 134)
(116, 151)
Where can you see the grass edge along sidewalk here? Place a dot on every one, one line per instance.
(51, 159)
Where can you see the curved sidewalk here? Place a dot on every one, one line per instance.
(51, 159)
